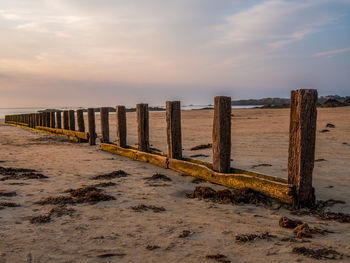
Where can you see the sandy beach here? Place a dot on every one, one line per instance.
(186, 230)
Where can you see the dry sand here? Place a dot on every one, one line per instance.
(258, 136)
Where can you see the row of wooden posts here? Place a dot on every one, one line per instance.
(301, 137)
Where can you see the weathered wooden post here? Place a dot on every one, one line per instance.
(47, 119)
(41, 120)
(71, 117)
(173, 121)
(143, 127)
(302, 136)
(121, 125)
(37, 119)
(92, 127)
(222, 134)
(52, 119)
(66, 120)
(80, 120)
(58, 120)
(104, 115)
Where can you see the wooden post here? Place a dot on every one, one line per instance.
(41, 119)
(80, 119)
(52, 119)
(222, 134)
(66, 120)
(45, 119)
(104, 114)
(92, 128)
(173, 121)
(71, 118)
(302, 135)
(58, 119)
(121, 126)
(143, 127)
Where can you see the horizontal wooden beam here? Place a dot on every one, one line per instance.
(82, 136)
(268, 185)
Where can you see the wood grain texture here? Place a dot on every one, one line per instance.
(121, 126)
(52, 120)
(173, 121)
(92, 126)
(142, 127)
(302, 136)
(222, 134)
(80, 120)
(104, 113)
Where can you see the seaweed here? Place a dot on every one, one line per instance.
(243, 238)
(142, 207)
(112, 175)
(321, 253)
(218, 257)
(158, 176)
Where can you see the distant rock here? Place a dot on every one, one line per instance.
(332, 103)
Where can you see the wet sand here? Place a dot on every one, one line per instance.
(113, 227)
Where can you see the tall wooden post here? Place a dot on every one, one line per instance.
(92, 127)
(58, 120)
(302, 136)
(41, 119)
(80, 120)
(173, 121)
(37, 119)
(143, 127)
(66, 120)
(46, 119)
(52, 119)
(71, 117)
(121, 126)
(222, 134)
(104, 114)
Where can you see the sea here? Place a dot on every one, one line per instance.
(12, 111)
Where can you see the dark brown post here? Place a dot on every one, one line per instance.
(46, 119)
(37, 119)
(58, 120)
(143, 127)
(92, 128)
(52, 119)
(302, 135)
(41, 120)
(71, 117)
(222, 134)
(66, 120)
(173, 121)
(121, 125)
(104, 114)
(80, 119)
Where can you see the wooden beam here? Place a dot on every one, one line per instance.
(143, 127)
(121, 126)
(302, 135)
(104, 114)
(173, 120)
(222, 134)
(92, 126)
(71, 117)
(80, 120)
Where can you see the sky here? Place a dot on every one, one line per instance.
(56, 53)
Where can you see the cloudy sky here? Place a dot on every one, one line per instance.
(108, 52)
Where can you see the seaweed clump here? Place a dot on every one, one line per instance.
(19, 173)
(141, 208)
(112, 175)
(87, 194)
(321, 253)
(251, 237)
(56, 212)
(226, 196)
